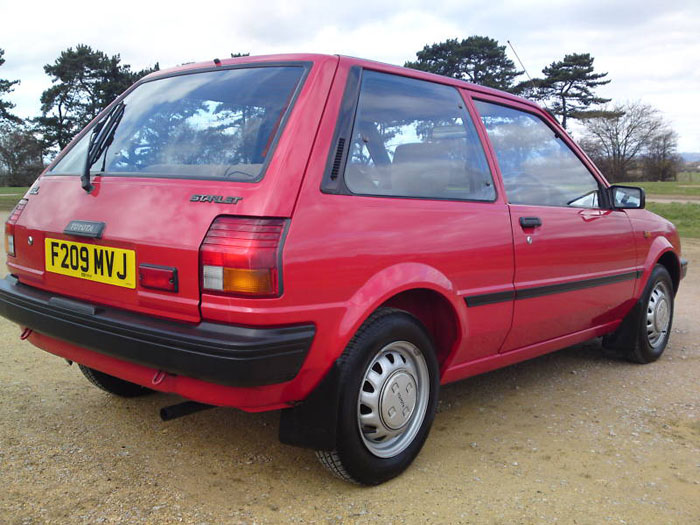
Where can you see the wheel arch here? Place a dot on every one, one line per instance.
(437, 315)
(672, 263)
(419, 289)
(661, 251)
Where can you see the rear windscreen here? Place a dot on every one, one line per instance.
(218, 124)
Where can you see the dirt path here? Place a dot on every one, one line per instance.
(570, 437)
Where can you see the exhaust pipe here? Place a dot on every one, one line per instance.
(182, 409)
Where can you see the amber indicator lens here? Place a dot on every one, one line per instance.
(240, 256)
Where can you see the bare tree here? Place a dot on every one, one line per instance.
(621, 136)
(661, 161)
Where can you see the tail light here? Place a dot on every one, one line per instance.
(241, 256)
(10, 227)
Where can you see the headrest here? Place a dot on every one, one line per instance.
(421, 152)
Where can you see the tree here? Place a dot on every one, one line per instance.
(615, 142)
(84, 82)
(568, 84)
(21, 155)
(661, 162)
(6, 87)
(478, 59)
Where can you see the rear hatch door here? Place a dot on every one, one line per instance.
(187, 149)
(144, 222)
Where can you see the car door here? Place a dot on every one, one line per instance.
(575, 260)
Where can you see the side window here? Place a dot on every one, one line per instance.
(413, 138)
(537, 166)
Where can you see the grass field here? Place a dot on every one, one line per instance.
(686, 216)
(689, 176)
(9, 195)
(669, 188)
(13, 189)
(688, 183)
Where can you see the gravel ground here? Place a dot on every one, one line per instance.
(571, 437)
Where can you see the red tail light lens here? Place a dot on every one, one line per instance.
(10, 227)
(240, 256)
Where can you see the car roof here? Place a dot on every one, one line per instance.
(348, 61)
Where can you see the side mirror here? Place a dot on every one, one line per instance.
(626, 197)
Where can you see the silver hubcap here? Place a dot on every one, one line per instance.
(393, 399)
(658, 314)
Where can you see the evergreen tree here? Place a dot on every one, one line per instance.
(21, 155)
(478, 59)
(84, 82)
(7, 86)
(568, 85)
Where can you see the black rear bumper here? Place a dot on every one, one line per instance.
(219, 353)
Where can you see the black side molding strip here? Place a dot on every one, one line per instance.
(490, 298)
(539, 291)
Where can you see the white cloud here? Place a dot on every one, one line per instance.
(651, 50)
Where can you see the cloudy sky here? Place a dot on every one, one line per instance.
(650, 48)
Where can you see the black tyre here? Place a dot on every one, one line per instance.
(112, 384)
(643, 335)
(389, 382)
(656, 318)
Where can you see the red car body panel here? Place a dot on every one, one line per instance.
(344, 256)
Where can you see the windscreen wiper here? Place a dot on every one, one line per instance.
(101, 138)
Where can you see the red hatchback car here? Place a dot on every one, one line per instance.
(332, 237)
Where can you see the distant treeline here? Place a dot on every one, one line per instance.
(626, 140)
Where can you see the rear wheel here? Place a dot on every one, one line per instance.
(389, 387)
(112, 384)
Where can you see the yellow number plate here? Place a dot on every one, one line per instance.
(95, 263)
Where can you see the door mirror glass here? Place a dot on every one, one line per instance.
(626, 197)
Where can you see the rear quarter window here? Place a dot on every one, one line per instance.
(413, 138)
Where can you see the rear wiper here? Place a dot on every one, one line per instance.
(101, 138)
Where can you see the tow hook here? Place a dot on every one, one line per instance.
(158, 377)
(26, 333)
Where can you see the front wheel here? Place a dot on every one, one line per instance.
(389, 381)
(643, 335)
(656, 319)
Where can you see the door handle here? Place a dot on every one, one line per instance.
(530, 222)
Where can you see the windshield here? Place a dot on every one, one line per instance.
(218, 124)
